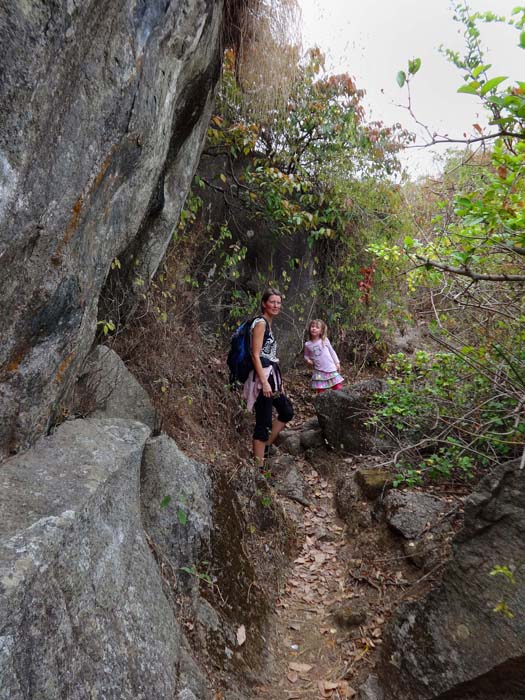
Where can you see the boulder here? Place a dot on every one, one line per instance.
(347, 495)
(311, 424)
(82, 608)
(370, 689)
(373, 482)
(176, 502)
(103, 111)
(293, 486)
(342, 415)
(452, 644)
(106, 388)
(311, 439)
(410, 513)
(427, 552)
(292, 444)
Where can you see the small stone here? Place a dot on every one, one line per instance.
(373, 482)
(311, 438)
(349, 616)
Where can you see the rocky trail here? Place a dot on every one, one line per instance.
(328, 621)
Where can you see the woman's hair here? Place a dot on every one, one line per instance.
(322, 326)
(269, 292)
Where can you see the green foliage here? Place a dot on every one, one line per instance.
(317, 169)
(502, 606)
(200, 575)
(445, 404)
(106, 326)
(265, 499)
(165, 501)
(486, 239)
(463, 409)
(503, 571)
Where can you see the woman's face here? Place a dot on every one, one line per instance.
(272, 305)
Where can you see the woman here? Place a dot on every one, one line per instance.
(263, 388)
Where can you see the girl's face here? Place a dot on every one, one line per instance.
(272, 305)
(315, 331)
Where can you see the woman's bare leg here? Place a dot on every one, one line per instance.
(258, 452)
(277, 426)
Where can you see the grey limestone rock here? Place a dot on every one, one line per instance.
(373, 482)
(103, 112)
(106, 388)
(292, 443)
(292, 485)
(410, 513)
(370, 690)
(82, 610)
(342, 415)
(311, 438)
(176, 502)
(452, 645)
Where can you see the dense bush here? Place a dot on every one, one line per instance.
(454, 412)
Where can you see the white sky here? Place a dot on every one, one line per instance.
(372, 40)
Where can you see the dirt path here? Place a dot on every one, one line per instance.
(316, 639)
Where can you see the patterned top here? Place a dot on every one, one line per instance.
(269, 346)
(322, 354)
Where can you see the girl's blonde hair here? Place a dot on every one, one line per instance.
(322, 326)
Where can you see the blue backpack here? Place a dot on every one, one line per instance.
(240, 355)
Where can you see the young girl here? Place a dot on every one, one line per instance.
(319, 354)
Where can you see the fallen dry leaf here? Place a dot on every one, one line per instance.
(292, 676)
(299, 667)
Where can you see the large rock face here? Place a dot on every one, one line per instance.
(103, 110)
(452, 645)
(82, 610)
(113, 545)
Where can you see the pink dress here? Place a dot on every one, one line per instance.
(324, 357)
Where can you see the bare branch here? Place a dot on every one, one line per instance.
(467, 272)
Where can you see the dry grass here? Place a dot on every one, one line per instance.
(184, 371)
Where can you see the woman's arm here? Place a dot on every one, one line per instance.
(257, 343)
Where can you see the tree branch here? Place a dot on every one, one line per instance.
(467, 272)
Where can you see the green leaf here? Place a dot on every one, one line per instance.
(522, 40)
(471, 88)
(182, 517)
(479, 69)
(165, 502)
(401, 78)
(414, 65)
(491, 84)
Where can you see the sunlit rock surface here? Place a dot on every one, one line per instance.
(103, 111)
(453, 645)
